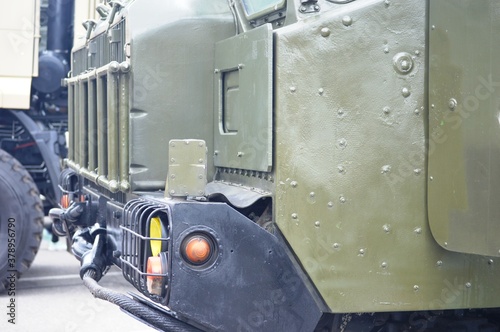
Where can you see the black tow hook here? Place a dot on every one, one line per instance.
(92, 256)
(62, 220)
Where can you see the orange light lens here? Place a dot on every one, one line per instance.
(154, 283)
(197, 250)
(65, 201)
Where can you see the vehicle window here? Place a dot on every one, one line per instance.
(255, 7)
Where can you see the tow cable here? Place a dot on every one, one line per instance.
(91, 271)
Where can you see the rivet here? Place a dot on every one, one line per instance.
(172, 144)
(432, 106)
(452, 104)
(340, 112)
(311, 194)
(240, 154)
(417, 52)
(321, 91)
(383, 265)
(172, 192)
(240, 66)
(433, 27)
(317, 224)
(200, 144)
(418, 230)
(325, 32)
(446, 244)
(386, 49)
(387, 110)
(172, 176)
(416, 111)
(387, 3)
(342, 143)
(341, 169)
(431, 178)
(316, 7)
(186, 142)
(292, 89)
(342, 199)
(294, 216)
(490, 261)
(216, 71)
(405, 92)
(385, 169)
(294, 184)
(402, 63)
(172, 160)
(361, 252)
(386, 228)
(336, 245)
(200, 161)
(468, 284)
(439, 263)
(330, 204)
(347, 20)
(417, 171)
(200, 176)
(416, 288)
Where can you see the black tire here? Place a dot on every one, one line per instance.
(21, 207)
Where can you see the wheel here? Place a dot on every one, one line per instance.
(21, 218)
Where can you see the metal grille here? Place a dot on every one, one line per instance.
(101, 50)
(98, 121)
(136, 246)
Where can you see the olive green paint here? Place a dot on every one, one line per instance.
(243, 96)
(464, 118)
(351, 163)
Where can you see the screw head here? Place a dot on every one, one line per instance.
(452, 104)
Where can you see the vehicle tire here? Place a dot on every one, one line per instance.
(22, 209)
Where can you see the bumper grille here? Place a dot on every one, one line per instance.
(136, 246)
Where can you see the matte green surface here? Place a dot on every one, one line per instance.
(243, 100)
(172, 59)
(464, 155)
(350, 151)
(187, 169)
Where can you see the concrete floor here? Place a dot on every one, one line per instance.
(51, 297)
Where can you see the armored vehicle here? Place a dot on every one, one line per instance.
(289, 165)
(36, 39)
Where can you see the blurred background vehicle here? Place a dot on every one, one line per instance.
(36, 38)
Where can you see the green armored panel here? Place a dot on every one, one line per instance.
(464, 117)
(243, 100)
(351, 163)
(172, 67)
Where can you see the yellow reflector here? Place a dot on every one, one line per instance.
(155, 228)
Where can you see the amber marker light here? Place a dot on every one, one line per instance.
(197, 249)
(154, 283)
(65, 201)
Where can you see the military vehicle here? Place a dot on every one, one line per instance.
(300, 165)
(37, 38)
